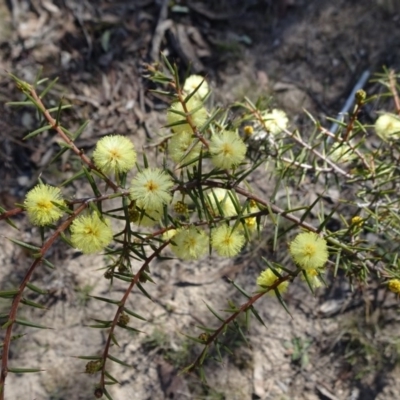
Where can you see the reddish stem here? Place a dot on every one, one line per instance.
(244, 307)
(67, 140)
(18, 296)
(11, 213)
(120, 309)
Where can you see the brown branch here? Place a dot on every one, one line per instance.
(11, 213)
(120, 309)
(18, 296)
(53, 123)
(300, 141)
(360, 97)
(244, 307)
(318, 154)
(356, 151)
(189, 118)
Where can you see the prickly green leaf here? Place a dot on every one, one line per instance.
(194, 339)
(214, 312)
(91, 181)
(76, 176)
(255, 313)
(91, 358)
(24, 322)
(239, 330)
(244, 293)
(13, 338)
(48, 88)
(8, 220)
(33, 304)
(80, 130)
(114, 340)
(25, 245)
(58, 109)
(141, 288)
(109, 376)
(130, 329)
(218, 350)
(7, 294)
(134, 314)
(36, 289)
(116, 360)
(246, 173)
(228, 350)
(36, 132)
(98, 326)
(123, 277)
(24, 370)
(60, 153)
(202, 375)
(167, 63)
(106, 300)
(107, 394)
(67, 132)
(280, 298)
(7, 324)
(47, 263)
(106, 324)
(109, 383)
(19, 103)
(204, 354)
(205, 329)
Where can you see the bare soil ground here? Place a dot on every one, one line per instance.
(340, 344)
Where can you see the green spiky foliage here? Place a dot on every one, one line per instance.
(207, 170)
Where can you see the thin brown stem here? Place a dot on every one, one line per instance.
(189, 120)
(11, 213)
(17, 299)
(120, 309)
(53, 123)
(244, 307)
(318, 154)
(356, 151)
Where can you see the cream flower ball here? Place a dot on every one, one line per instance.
(196, 81)
(387, 126)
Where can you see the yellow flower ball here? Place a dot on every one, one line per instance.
(251, 222)
(195, 109)
(40, 204)
(313, 278)
(394, 286)
(387, 126)
(267, 278)
(226, 241)
(275, 121)
(114, 153)
(357, 222)
(248, 130)
(342, 153)
(227, 150)
(196, 81)
(220, 199)
(169, 234)
(90, 234)
(151, 189)
(189, 243)
(309, 250)
(179, 145)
